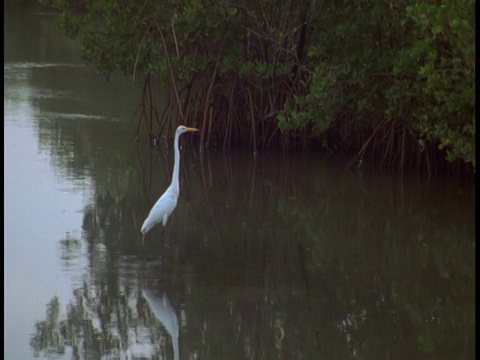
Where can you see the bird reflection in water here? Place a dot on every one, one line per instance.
(163, 311)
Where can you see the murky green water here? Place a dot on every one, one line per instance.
(274, 256)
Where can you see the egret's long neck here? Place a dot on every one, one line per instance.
(176, 166)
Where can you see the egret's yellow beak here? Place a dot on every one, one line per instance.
(191, 128)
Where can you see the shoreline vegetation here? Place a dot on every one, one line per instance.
(389, 82)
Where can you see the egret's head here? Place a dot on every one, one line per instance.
(182, 129)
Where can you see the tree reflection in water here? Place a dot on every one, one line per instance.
(48, 339)
(264, 263)
(95, 328)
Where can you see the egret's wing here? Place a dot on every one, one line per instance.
(166, 203)
(160, 210)
(164, 206)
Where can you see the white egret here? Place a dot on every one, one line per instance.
(164, 206)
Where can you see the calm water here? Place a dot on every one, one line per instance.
(273, 257)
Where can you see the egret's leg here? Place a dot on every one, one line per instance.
(167, 231)
(165, 219)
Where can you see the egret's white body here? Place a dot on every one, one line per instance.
(164, 206)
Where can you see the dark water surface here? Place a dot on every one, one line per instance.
(268, 257)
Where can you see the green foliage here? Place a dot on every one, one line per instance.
(444, 51)
(316, 66)
(348, 54)
(408, 62)
(317, 107)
